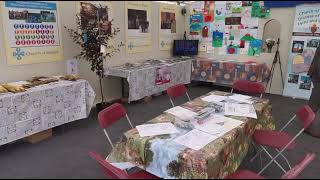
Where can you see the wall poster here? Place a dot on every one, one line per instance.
(305, 40)
(168, 25)
(138, 27)
(32, 32)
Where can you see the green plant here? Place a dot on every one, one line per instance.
(92, 40)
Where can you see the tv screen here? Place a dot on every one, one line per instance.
(185, 47)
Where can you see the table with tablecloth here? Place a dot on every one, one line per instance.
(141, 76)
(226, 72)
(161, 156)
(43, 107)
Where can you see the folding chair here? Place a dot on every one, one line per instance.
(280, 139)
(110, 115)
(248, 87)
(177, 91)
(115, 173)
(291, 174)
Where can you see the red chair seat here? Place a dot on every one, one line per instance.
(273, 139)
(244, 174)
(142, 175)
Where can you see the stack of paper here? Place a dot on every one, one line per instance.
(181, 113)
(214, 98)
(241, 98)
(245, 110)
(156, 129)
(195, 139)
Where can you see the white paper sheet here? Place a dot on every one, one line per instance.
(214, 98)
(228, 126)
(245, 110)
(195, 139)
(241, 98)
(181, 113)
(156, 129)
(209, 127)
(123, 165)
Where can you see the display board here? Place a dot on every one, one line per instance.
(167, 26)
(305, 40)
(97, 10)
(138, 27)
(32, 32)
(229, 26)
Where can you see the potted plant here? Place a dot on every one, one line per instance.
(94, 35)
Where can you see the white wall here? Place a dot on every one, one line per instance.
(67, 17)
(113, 85)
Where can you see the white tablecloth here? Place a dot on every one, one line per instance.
(43, 107)
(141, 78)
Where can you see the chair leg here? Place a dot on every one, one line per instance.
(287, 161)
(105, 132)
(256, 155)
(275, 161)
(232, 90)
(171, 102)
(188, 96)
(129, 121)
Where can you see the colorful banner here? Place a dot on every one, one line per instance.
(32, 32)
(168, 26)
(138, 27)
(305, 40)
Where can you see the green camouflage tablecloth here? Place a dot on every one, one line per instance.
(161, 156)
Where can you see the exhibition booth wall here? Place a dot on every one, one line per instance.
(67, 11)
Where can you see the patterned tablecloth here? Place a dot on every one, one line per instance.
(43, 107)
(161, 156)
(226, 72)
(141, 76)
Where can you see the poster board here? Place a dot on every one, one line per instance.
(305, 40)
(32, 32)
(227, 27)
(138, 26)
(168, 25)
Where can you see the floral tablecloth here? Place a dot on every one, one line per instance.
(141, 76)
(161, 156)
(43, 107)
(226, 72)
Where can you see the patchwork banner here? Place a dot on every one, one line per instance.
(138, 27)
(32, 32)
(305, 40)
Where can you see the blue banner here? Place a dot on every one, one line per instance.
(31, 5)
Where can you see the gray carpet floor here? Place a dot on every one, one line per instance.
(65, 155)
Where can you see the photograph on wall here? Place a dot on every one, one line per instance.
(220, 10)
(313, 43)
(32, 32)
(196, 24)
(247, 21)
(217, 39)
(305, 83)
(293, 78)
(297, 46)
(137, 19)
(208, 11)
(168, 26)
(233, 20)
(91, 12)
(246, 3)
(298, 65)
(138, 27)
(255, 47)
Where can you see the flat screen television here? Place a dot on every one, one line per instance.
(185, 47)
